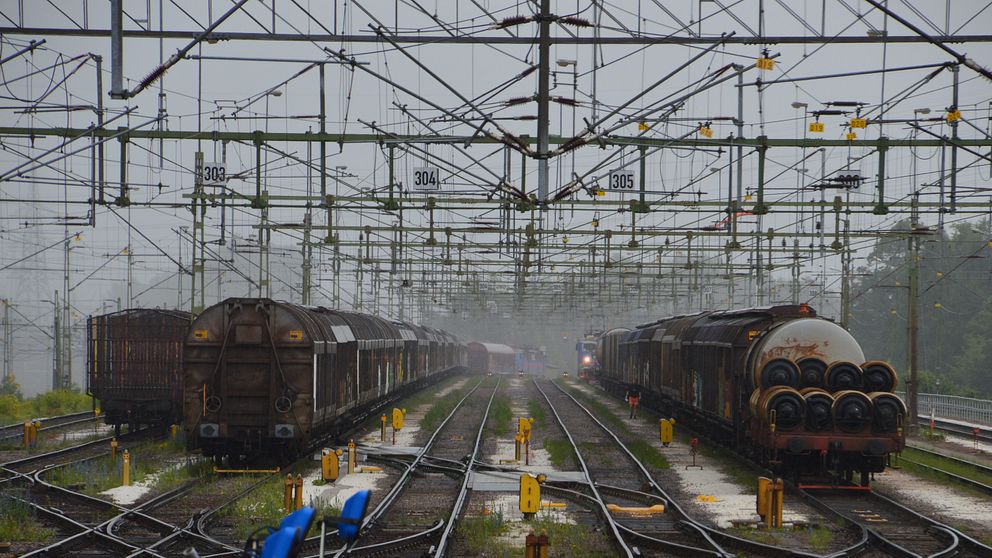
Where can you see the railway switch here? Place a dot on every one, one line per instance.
(126, 468)
(530, 494)
(287, 493)
(329, 466)
(666, 429)
(352, 456)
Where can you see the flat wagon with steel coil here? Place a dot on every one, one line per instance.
(134, 365)
(789, 388)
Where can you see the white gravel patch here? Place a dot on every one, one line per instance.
(127, 495)
(948, 505)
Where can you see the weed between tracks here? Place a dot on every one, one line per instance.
(500, 415)
(536, 411)
(480, 533)
(642, 450)
(103, 473)
(19, 523)
(943, 464)
(559, 451)
(572, 539)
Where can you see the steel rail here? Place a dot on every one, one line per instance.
(390, 498)
(967, 481)
(456, 509)
(604, 512)
(710, 534)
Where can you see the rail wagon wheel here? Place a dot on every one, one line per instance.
(842, 376)
(852, 411)
(819, 404)
(779, 372)
(879, 376)
(786, 403)
(811, 371)
(890, 411)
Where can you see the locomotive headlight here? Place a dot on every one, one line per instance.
(586, 359)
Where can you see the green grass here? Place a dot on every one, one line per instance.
(570, 539)
(559, 451)
(442, 408)
(536, 411)
(49, 404)
(500, 415)
(263, 507)
(820, 538)
(646, 453)
(18, 523)
(479, 534)
(940, 462)
(103, 473)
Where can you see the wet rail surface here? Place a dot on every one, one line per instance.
(417, 515)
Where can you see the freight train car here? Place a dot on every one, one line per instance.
(486, 358)
(789, 388)
(134, 365)
(267, 378)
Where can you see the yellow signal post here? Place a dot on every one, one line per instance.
(398, 415)
(298, 493)
(96, 412)
(113, 449)
(126, 468)
(517, 442)
(329, 466)
(536, 546)
(174, 431)
(382, 429)
(524, 426)
(667, 431)
(530, 494)
(287, 493)
(352, 456)
(762, 498)
(777, 503)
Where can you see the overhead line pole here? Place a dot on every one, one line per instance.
(543, 99)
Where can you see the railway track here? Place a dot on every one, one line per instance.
(416, 517)
(12, 432)
(896, 529)
(691, 536)
(976, 475)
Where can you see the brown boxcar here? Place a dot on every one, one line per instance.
(780, 383)
(134, 365)
(486, 358)
(273, 378)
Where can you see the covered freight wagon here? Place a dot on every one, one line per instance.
(134, 365)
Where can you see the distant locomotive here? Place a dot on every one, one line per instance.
(531, 360)
(134, 365)
(789, 388)
(586, 350)
(273, 378)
